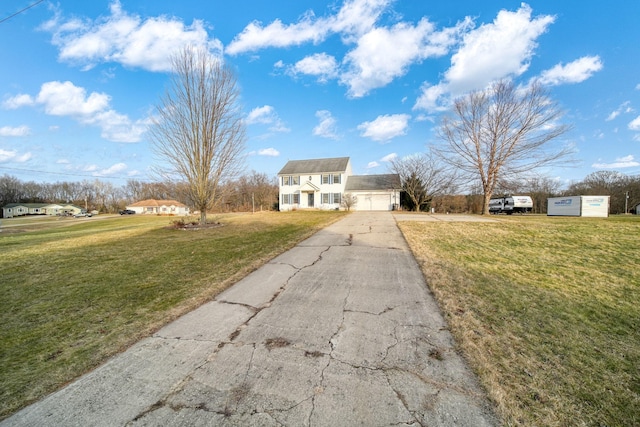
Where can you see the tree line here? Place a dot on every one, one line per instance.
(615, 184)
(250, 191)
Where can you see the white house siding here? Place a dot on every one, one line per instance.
(311, 191)
(306, 184)
(321, 184)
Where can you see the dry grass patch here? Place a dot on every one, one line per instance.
(546, 310)
(74, 296)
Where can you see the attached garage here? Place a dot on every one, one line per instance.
(374, 192)
(373, 202)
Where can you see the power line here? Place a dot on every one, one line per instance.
(71, 174)
(20, 11)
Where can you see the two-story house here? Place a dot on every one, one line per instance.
(321, 184)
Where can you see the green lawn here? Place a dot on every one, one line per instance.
(77, 291)
(546, 309)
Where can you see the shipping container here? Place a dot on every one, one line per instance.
(587, 206)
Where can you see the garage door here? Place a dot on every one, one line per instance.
(374, 202)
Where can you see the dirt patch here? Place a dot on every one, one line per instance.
(190, 226)
(278, 342)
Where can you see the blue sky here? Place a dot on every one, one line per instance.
(368, 79)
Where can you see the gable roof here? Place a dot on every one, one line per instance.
(26, 205)
(157, 203)
(337, 164)
(373, 182)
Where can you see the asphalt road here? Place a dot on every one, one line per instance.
(339, 331)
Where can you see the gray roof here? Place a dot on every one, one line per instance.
(338, 164)
(373, 182)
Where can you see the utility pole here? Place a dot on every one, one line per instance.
(626, 201)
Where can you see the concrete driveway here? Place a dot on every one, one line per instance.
(339, 331)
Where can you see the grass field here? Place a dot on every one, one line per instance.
(76, 291)
(547, 311)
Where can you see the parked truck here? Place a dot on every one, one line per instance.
(510, 205)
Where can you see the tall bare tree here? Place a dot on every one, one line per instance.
(423, 177)
(199, 132)
(501, 132)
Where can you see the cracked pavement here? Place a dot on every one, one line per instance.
(339, 331)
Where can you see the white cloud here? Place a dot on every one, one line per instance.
(386, 127)
(490, 52)
(625, 107)
(612, 116)
(261, 115)
(357, 17)
(266, 115)
(432, 98)
(389, 157)
(67, 99)
(255, 36)
(574, 72)
(320, 64)
(271, 152)
(13, 156)
(118, 127)
(127, 39)
(383, 54)
(111, 170)
(15, 131)
(501, 48)
(635, 124)
(18, 101)
(373, 164)
(327, 127)
(619, 163)
(354, 18)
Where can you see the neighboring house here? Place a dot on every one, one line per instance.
(159, 207)
(21, 209)
(321, 183)
(636, 209)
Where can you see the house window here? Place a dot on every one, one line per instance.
(325, 197)
(337, 197)
(286, 199)
(296, 198)
(336, 179)
(326, 179)
(296, 180)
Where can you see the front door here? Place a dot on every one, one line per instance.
(310, 200)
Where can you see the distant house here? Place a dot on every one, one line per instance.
(321, 183)
(159, 207)
(21, 209)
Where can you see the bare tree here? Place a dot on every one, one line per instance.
(423, 178)
(349, 200)
(199, 131)
(501, 132)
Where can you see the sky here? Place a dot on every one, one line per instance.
(365, 79)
